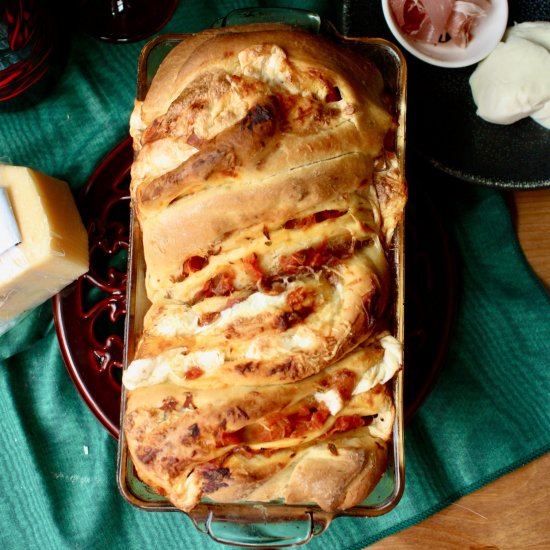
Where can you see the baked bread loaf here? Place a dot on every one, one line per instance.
(263, 369)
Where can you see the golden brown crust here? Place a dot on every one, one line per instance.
(252, 201)
(219, 48)
(209, 426)
(263, 369)
(270, 150)
(258, 348)
(167, 84)
(335, 474)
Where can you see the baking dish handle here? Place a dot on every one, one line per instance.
(263, 532)
(292, 16)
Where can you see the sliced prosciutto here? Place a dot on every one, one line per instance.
(434, 21)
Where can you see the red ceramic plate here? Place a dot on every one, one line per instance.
(89, 314)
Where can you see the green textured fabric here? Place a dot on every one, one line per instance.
(487, 414)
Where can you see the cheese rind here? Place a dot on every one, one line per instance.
(54, 244)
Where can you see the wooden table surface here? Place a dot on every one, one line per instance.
(514, 511)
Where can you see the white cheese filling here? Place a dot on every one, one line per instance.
(383, 371)
(267, 64)
(332, 399)
(186, 322)
(254, 305)
(170, 366)
(265, 348)
(378, 374)
(379, 426)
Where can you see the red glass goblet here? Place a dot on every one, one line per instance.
(34, 48)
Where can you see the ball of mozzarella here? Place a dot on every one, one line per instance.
(513, 82)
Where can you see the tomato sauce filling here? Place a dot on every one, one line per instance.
(280, 426)
(191, 265)
(318, 217)
(252, 267)
(219, 285)
(298, 424)
(193, 373)
(309, 416)
(315, 257)
(333, 95)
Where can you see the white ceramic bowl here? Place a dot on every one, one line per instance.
(486, 34)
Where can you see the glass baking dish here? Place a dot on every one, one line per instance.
(273, 524)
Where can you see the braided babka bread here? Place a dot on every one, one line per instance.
(262, 370)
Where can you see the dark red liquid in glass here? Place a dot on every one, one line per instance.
(124, 20)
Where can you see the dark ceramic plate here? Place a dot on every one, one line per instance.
(442, 125)
(89, 314)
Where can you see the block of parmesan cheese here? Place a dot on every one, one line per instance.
(53, 247)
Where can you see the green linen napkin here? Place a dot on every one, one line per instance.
(487, 414)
